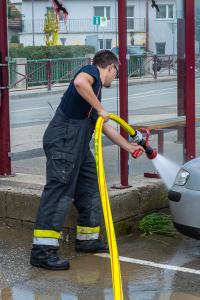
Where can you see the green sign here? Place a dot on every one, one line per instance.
(103, 21)
(96, 20)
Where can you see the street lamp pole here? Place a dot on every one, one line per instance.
(33, 23)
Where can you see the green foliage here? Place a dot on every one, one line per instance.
(51, 28)
(157, 223)
(12, 12)
(44, 52)
(14, 39)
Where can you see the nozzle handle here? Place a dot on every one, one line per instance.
(137, 153)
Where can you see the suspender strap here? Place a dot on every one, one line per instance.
(89, 112)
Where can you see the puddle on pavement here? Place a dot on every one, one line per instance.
(17, 293)
(90, 276)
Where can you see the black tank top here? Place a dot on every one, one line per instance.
(76, 107)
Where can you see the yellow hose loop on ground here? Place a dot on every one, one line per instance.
(114, 257)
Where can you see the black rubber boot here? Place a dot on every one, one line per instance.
(91, 246)
(46, 257)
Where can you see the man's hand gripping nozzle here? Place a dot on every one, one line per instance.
(144, 142)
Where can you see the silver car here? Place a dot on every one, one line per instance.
(184, 199)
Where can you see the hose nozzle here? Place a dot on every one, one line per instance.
(138, 138)
(151, 152)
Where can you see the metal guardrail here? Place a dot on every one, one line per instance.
(51, 72)
(44, 72)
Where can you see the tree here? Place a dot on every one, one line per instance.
(51, 28)
(13, 12)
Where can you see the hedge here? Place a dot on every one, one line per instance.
(42, 52)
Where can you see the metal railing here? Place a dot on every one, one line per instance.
(85, 25)
(44, 72)
(51, 72)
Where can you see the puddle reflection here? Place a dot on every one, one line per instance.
(23, 294)
(133, 294)
(136, 291)
(17, 293)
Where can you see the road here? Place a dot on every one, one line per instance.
(154, 96)
(143, 99)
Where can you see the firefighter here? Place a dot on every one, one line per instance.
(70, 169)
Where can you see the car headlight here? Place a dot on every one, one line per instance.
(181, 177)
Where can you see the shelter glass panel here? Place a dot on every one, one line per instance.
(197, 72)
(158, 105)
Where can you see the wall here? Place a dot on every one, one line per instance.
(160, 32)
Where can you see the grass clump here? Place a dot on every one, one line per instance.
(157, 223)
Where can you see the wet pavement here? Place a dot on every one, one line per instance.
(90, 275)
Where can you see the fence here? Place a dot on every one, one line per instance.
(44, 72)
(38, 73)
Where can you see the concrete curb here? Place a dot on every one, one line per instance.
(45, 92)
(19, 202)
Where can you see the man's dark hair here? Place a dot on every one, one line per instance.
(105, 58)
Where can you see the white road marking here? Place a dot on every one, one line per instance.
(30, 109)
(147, 93)
(150, 95)
(152, 264)
(140, 95)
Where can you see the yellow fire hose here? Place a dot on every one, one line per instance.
(114, 257)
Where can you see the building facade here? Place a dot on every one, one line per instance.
(145, 26)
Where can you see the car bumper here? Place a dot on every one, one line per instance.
(185, 206)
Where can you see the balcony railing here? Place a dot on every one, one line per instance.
(85, 26)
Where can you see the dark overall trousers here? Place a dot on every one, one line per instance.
(70, 176)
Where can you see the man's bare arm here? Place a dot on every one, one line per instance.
(119, 140)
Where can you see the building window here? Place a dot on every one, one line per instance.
(160, 48)
(100, 44)
(102, 11)
(108, 43)
(105, 44)
(130, 17)
(170, 11)
(166, 11)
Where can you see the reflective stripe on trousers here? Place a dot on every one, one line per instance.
(87, 233)
(46, 237)
(45, 241)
